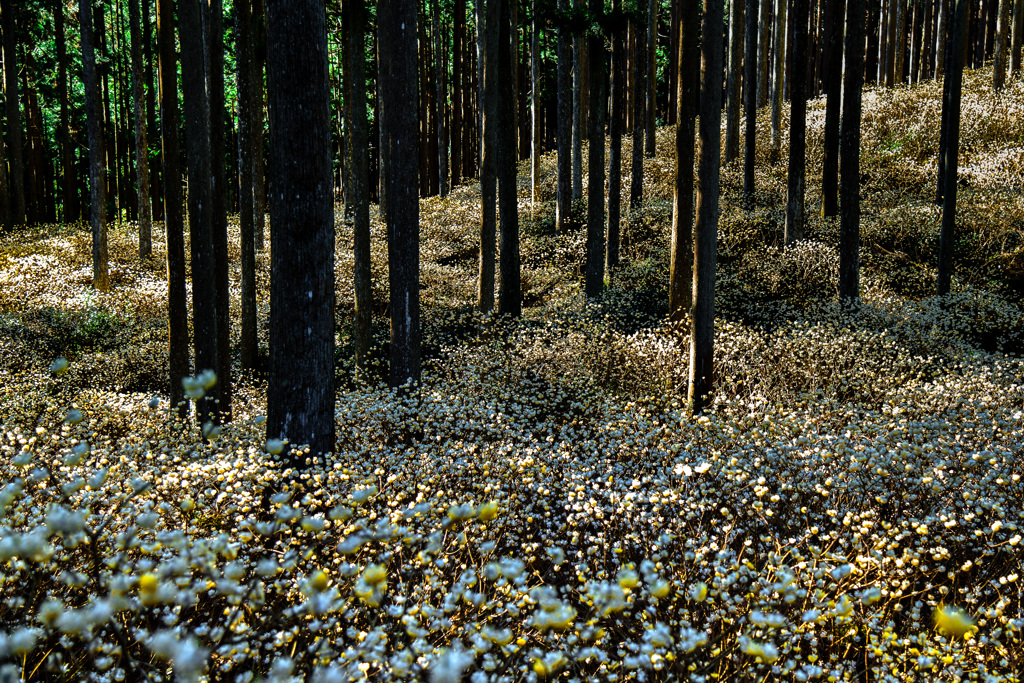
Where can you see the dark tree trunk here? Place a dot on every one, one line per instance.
(259, 177)
(595, 166)
(652, 77)
(200, 205)
(155, 170)
(797, 128)
(871, 40)
(947, 82)
(300, 387)
(833, 90)
(639, 59)
(398, 24)
(702, 320)
(441, 89)
(942, 28)
(564, 118)
(141, 143)
(917, 23)
(615, 148)
(764, 30)
(680, 287)
(673, 62)
(69, 197)
(892, 42)
(490, 109)
(1018, 38)
(98, 213)
(955, 76)
(577, 114)
(14, 137)
(732, 106)
(849, 222)
(780, 65)
(510, 299)
(177, 306)
(750, 104)
(249, 344)
(901, 42)
(457, 85)
(927, 66)
(362, 333)
(535, 116)
(1002, 47)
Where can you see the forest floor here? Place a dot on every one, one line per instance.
(543, 507)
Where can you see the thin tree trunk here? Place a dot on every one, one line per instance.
(955, 76)
(1002, 45)
(141, 144)
(652, 77)
(510, 299)
(927, 68)
(702, 320)
(917, 23)
(732, 106)
(259, 178)
(14, 137)
(849, 221)
(440, 80)
(780, 65)
(797, 128)
(535, 132)
(892, 42)
(764, 44)
(70, 212)
(564, 119)
(98, 213)
(402, 217)
(941, 38)
(901, 41)
(249, 344)
(636, 184)
(1018, 38)
(750, 103)
(680, 287)
(457, 78)
(300, 387)
(488, 39)
(577, 115)
(595, 167)
(615, 148)
(155, 170)
(833, 90)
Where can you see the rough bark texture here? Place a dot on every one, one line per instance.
(797, 128)
(577, 115)
(259, 178)
(490, 111)
(780, 66)
(652, 76)
(595, 167)
(300, 387)
(901, 42)
(615, 148)
(177, 306)
(955, 75)
(702, 319)
(636, 184)
(942, 28)
(891, 42)
(97, 186)
(750, 92)
(510, 296)
(1018, 38)
(141, 143)
(402, 212)
(764, 30)
(1002, 45)
(249, 345)
(12, 100)
(69, 196)
(563, 208)
(833, 92)
(680, 287)
(732, 106)
(849, 222)
(459, 17)
(440, 79)
(200, 206)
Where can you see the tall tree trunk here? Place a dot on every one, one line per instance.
(942, 28)
(636, 182)
(577, 114)
(673, 62)
(849, 221)
(141, 144)
(155, 170)
(797, 128)
(732, 106)
(595, 157)
(200, 206)
(300, 388)
(1018, 38)
(69, 198)
(510, 299)
(750, 104)
(652, 77)
(892, 42)
(955, 76)
(702, 319)
(98, 213)
(777, 86)
(901, 41)
(680, 283)
(615, 148)
(488, 40)
(535, 132)
(764, 41)
(440, 80)
(1002, 45)
(564, 119)
(249, 344)
(459, 30)
(15, 152)
(177, 305)
(915, 12)
(833, 90)
(259, 177)
(926, 66)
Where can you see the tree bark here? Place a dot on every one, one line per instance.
(702, 319)
(141, 144)
(955, 76)
(248, 343)
(636, 183)
(440, 79)
(892, 42)
(849, 221)
(942, 28)
(901, 42)
(652, 77)
(12, 99)
(564, 118)
(459, 17)
(510, 299)
(615, 148)
(764, 30)
(732, 106)
(535, 132)
(1002, 45)
(69, 197)
(680, 287)
(797, 128)
(97, 198)
(259, 177)
(155, 170)
(777, 87)
(833, 94)
(577, 115)
(402, 213)
(750, 103)
(490, 109)
(1018, 38)
(595, 166)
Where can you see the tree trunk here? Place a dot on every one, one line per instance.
(901, 41)
(777, 86)
(15, 152)
(750, 104)
(849, 221)
(564, 119)
(441, 89)
(1002, 45)
(595, 166)
(97, 203)
(702, 320)
(459, 31)
(917, 23)
(636, 181)
(797, 128)
(488, 39)
(615, 148)
(70, 204)
(510, 299)
(535, 131)
(942, 28)
(300, 387)
(764, 30)
(577, 115)
(1018, 38)
(680, 284)
(259, 177)
(155, 171)
(141, 144)
(200, 205)
(652, 77)
(834, 91)
(402, 213)
(892, 42)
(732, 106)
(249, 344)
(955, 76)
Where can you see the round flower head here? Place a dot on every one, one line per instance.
(953, 621)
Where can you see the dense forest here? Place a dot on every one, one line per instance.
(511, 341)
